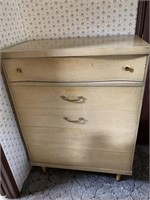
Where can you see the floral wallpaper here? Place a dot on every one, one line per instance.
(78, 18)
(12, 32)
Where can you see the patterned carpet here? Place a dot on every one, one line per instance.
(58, 184)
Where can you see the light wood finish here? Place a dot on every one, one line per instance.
(81, 84)
(107, 45)
(82, 168)
(44, 117)
(99, 98)
(83, 157)
(44, 170)
(106, 68)
(80, 111)
(116, 137)
(118, 177)
(77, 138)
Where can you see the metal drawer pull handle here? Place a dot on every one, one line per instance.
(128, 68)
(79, 99)
(80, 120)
(19, 70)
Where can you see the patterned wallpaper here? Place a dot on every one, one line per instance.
(34, 19)
(11, 26)
(12, 32)
(11, 141)
(22, 20)
(78, 18)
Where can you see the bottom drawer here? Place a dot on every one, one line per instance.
(81, 158)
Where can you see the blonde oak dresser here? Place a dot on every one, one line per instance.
(78, 101)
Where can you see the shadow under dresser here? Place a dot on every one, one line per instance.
(78, 101)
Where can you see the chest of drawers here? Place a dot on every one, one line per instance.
(78, 101)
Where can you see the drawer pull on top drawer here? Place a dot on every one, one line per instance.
(128, 68)
(79, 99)
(80, 120)
(19, 70)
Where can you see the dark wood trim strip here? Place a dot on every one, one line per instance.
(2, 192)
(8, 184)
(146, 35)
(142, 30)
(140, 18)
(143, 132)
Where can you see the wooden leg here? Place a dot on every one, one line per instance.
(118, 177)
(44, 169)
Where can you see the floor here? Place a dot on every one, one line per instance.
(58, 184)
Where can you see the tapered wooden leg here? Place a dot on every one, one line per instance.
(44, 169)
(118, 177)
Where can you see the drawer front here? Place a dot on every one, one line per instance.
(82, 119)
(99, 98)
(83, 69)
(76, 138)
(81, 157)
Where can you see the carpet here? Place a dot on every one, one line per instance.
(60, 184)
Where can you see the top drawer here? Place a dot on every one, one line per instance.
(77, 69)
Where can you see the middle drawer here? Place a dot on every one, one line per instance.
(102, 98)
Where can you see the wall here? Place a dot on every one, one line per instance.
(78, 18)
(12, 32)
(11, 26)
(43, 19)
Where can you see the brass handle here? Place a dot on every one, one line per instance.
(19, 70)
(79, 99)
(80, 120)
(128, 68)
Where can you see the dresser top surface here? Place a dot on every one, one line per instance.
(107, 45)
